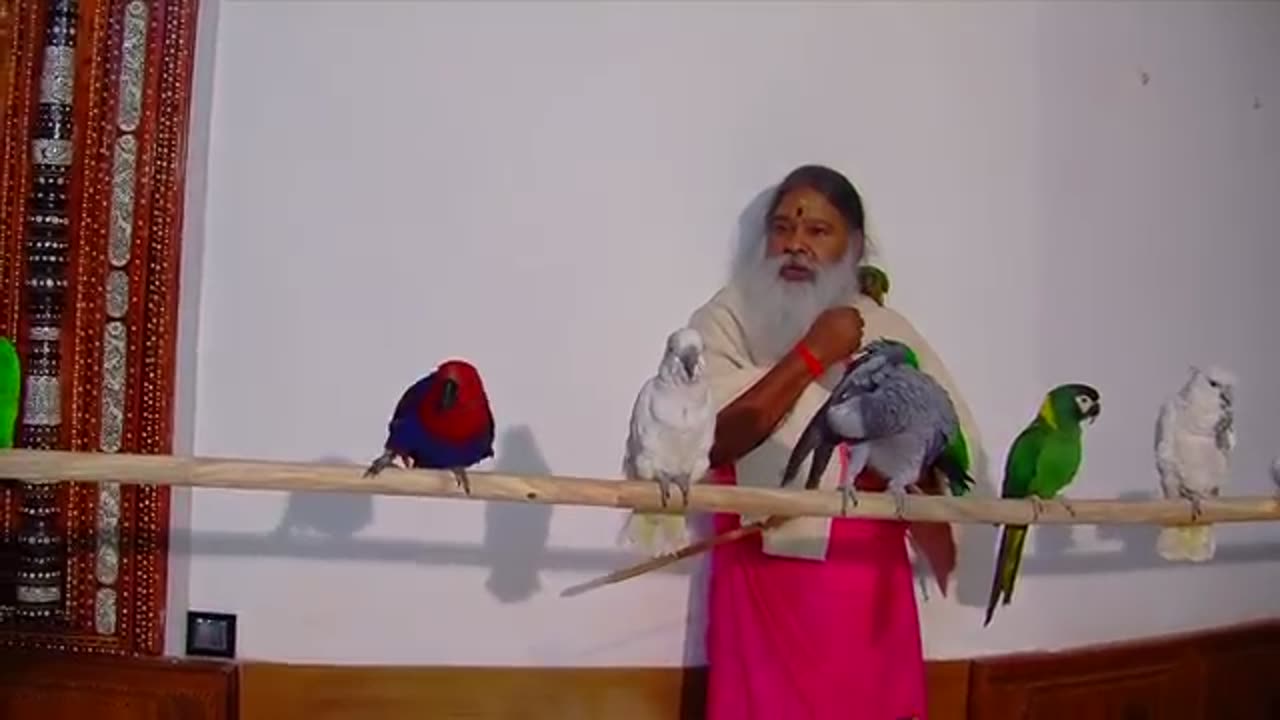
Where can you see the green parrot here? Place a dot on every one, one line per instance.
(10, 391)
(873, 282)
(954, 463)
(1042, 461)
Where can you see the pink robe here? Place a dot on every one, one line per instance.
(791, 639)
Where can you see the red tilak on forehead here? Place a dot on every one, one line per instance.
(799, 211)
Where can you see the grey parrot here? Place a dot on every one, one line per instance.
(895, 418)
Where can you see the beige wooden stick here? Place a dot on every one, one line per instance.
(661, 561)
(50, 466)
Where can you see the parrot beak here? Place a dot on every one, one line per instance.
(1094, 412)
(448, 395)
(858, 358)
(689, 360)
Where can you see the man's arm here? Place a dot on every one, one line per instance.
(747, 421)
(748, 417)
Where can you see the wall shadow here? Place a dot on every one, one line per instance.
(324, 514)
(516, 534)
(745, 241)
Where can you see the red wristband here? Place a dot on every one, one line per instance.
(810, 360)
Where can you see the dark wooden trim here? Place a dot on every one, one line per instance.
(1226, 674)
(56, 686)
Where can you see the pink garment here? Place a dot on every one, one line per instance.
(791, 639)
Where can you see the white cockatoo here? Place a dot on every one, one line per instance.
(1195, 437)
(673, 425)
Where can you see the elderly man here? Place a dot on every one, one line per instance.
(815, 619)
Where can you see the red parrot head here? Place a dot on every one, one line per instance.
(455, 405)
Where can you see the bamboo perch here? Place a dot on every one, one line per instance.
(55, 466)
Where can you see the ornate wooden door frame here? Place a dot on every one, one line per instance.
(91, 191)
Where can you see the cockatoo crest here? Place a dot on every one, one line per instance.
(683, 362)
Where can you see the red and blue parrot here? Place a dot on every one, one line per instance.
(443, 421)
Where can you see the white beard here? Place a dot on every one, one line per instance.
(775, 314)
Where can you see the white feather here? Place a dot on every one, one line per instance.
(672, 430)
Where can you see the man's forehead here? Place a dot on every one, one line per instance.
(805, 204)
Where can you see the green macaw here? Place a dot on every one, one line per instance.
(10, 391)
(1042, 461)
(873, 282)
(954, 462)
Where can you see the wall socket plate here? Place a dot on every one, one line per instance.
(211, 634)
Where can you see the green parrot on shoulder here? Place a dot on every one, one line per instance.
(873, 282)
(1042, 461)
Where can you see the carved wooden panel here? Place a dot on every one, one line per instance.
(1229, 674)
(6, 56)
(94, 149)
(1242, 674)
(60, 687)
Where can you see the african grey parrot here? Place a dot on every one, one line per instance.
(895, 418)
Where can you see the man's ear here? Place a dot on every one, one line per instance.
(858, 245)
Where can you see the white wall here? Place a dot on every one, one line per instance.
(392, 183)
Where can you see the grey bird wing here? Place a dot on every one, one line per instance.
(816, 438)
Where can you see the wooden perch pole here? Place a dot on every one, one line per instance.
(56, 466)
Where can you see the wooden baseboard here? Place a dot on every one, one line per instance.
(64, 686)
(1226, 674)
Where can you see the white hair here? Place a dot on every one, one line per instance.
(775, 314)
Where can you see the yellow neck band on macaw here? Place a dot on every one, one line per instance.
(1047, 414)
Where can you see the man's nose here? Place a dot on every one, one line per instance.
(797, 246)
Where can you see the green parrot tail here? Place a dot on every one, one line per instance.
(10, 391)
(958, 479)
(1008, 560)
(873, 282)
(958, 449)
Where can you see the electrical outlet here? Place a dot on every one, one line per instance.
(211, 634)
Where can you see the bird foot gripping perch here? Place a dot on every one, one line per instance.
(464, 482)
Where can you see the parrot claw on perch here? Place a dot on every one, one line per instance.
(383, 461)
(899, 501)
(664, 485)
(1066, 505)
(847, 497)
(464, 482)
(1037, 507)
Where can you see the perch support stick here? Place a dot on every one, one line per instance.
(51, 465)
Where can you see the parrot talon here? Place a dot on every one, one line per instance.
(684, 492)
(664, 491)
(1037, 507)
(1196, 509)
(847, 497)
(382, 462)
(464, 482)
(899, 502)
(1066, 505)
